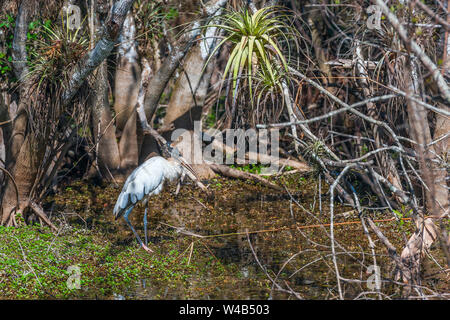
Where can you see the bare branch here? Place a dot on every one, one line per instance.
(416, 49)
(101, 50)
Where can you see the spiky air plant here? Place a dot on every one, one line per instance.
(54, 51)
(152, 20)
(53, 54)
(255, 39)
(314, 149)
(268, 89)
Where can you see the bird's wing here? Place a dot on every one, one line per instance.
(145, 179)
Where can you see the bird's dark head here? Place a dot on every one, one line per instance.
(169, 146)
(169, 151)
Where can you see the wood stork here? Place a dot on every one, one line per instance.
(148, 179)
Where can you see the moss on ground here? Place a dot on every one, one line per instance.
(35, 264)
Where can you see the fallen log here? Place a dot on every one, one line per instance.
(265, 158)
(237, 174)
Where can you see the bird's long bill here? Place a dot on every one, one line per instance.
(188, 167)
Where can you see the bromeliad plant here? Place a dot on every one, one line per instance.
(54, 51)
(256, 41)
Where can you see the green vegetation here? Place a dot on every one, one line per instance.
(35, 264)
(70, 138)
(54, 49)
(7, 29)
(34, 261)
(5, 63)
(252, 35)
(403, 225)
(252, 168)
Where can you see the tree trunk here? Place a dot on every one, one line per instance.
(20, 68)
(126, 91)
(189, 92)
(128, 145)
(159, 82)
(107, 149)
(437, 202)
(24, 173)
(127, 77)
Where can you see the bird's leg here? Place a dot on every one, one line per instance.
(145, 226)
(180, 182)
(145, 203)
(135, 233)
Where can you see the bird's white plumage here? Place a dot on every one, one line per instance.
(147, 179)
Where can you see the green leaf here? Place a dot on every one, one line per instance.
(256, 40)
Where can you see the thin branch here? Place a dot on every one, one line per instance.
(102, 49)
(416, 49)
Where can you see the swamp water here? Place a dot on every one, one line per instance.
(235, 245)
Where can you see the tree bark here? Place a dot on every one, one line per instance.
(24, 173)
(127, 76)
(19, 53)
(102, 49)
(20, 69)
(107, 150)
(437, 202)
(159, 82)
(189, 92)
(126, 91)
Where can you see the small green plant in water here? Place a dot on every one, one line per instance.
(401, 215)
(250, 167)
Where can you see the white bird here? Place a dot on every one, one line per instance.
(148, 179)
